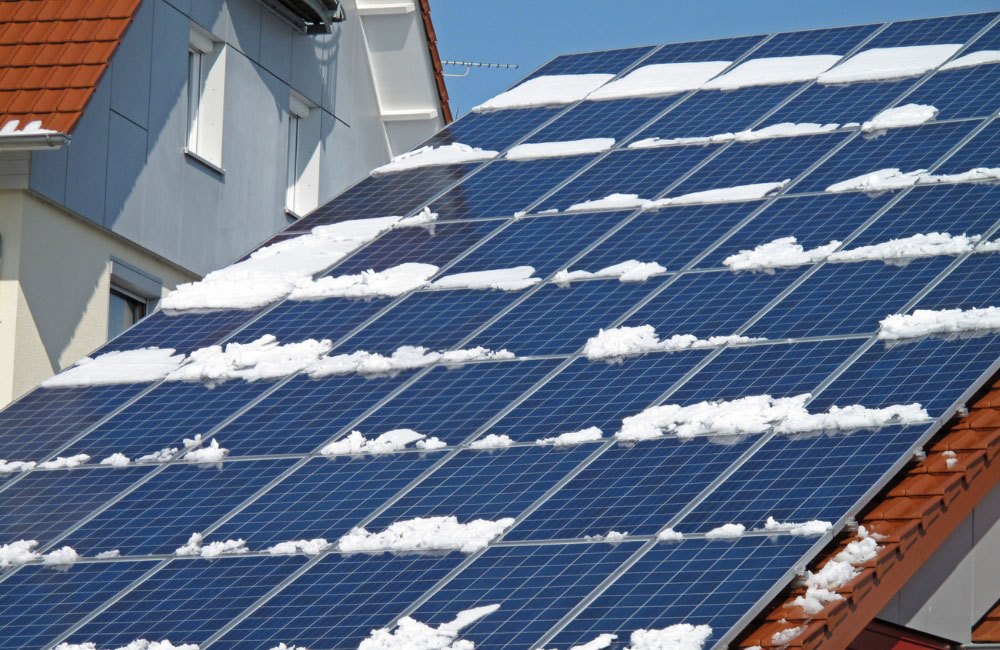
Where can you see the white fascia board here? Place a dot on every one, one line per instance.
(383, 9)
(410, 114)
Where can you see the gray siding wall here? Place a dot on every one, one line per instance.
(125, 168)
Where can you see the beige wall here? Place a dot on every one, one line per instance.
(55, 278)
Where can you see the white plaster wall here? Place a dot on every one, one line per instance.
(55, 279)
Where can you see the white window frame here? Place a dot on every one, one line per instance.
(302, 156)
(205, 97)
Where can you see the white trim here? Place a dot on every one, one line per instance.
(410, 115)
(201, 39)
(391, 8)
(298, 105)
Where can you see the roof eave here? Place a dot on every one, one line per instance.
(33, 141)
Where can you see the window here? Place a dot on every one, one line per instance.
(134, 293)
(302, 172)
(205, 90)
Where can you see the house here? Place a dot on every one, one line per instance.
(689, 346)
(146, 143)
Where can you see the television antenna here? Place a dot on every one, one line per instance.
(474, 64)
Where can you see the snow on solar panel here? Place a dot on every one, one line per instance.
(601, 362)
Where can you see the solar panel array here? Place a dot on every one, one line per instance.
(556, 583)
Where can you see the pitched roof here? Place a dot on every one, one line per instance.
(54, 53)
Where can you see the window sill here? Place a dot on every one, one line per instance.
(204, 161)
(293, 214)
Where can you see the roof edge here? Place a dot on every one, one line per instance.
(442, 90)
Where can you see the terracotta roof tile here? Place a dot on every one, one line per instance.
(52, 55)
(988, 629)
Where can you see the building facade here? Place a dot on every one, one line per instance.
(149, 142)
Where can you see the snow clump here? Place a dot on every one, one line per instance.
(117, 460)
(627, 271)
(621, 342)
(18, 553)
(263, 358)
(669, 535)
(773, 70)
(492, 441)
(821, 586)
(195, 548)
(900, 116)
(387, 443)
(599, 643)
(806, 529)
(426, 534)
(446, 154)
(590, 434)
(394, 281)
(60, 557)
(118, 367)
(513, 279)
(406, 357)
(535, 150)
(942, 322)
(726, 531)
(411, 634)
(546, 90)
(660, 79)
(64, 463)
(682, 636)
(213, 453)
(782, 130)
(883, 63)
(305, 546)
(138, 644)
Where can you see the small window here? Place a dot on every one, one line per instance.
(205, 91)
(124, 311)
(302, 155)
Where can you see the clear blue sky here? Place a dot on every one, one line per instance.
(530, 32)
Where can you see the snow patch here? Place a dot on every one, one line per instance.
(942, 322)
(806, 529)
(107, 555)
(11, 466)
(125, 367)
(213, 453)
(781, 253)
(492, 441)
(387, 443)
(306, 546)
(785, 636)
(263, 358)
(138, 644)
(726, 531)
(682, 636)
(535, 150)
(18, 553)
(885, 63)
(976, 58)
(773, 70)
(669, 535)
(602, 641)
(660, 79)
(411, 634)
(195, 548)
(64, 463)
(621, 342)
(391, 282)
(546, 90)
(906, 115)
(738, 193)
(616, 201)
(627, 271)
(60, 557)
(406, 357)
(590, 434)
(432, 443)
(782, 130)
(33, 127)
(447, 154)
(881, 180)
(513, 279)
(426, 534)
(758, 413)
(117, 460)
(821, 586)
(272, 272)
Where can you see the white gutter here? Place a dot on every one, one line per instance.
(33, 141)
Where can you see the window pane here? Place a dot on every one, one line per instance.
(193, 98)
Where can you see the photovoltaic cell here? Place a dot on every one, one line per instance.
(181, 331)
(292, 321)
(696, 581)
(961, 93)
(836, 40)
(975, 283)
(931, 31)
(494, 130)
(635, 489)
(603, 119)
(979, 151)
(338, 602)
(486, 484)
(606, 61)
(840, 104)
(37, 604)
(723, 49)
(534, 587)
(806, 477)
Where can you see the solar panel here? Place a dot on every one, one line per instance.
(580, 444)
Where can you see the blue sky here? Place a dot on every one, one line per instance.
(529, 32)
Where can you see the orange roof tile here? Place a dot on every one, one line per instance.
(921, 507)
(52, 54)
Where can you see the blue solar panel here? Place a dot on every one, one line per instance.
(554, 586)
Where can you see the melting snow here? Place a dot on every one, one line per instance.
(64, 463)
(546, 90)
(213, 453)
(821, 586)
(780, 253)
(138, 644)
(448, 154)
(117, 460)
(271, 273)
(881, 180)
(263, 358)
(431, 444)
(194, 547)
(426, 534)
(535, 150)
(602, 641)
(928, 322)
(627, 271)
(757, 413)
(906, 115)
(411, 634)
(660, 79)
(107, 555)
(773, 70)
(572, 438)
(387, 443)
(682, 636)
(974, 59)
(622, 342)
(669, 535)
(18, 553)
(64, 556)
(726, 531)
(492, 441)
(784, 636)
(31, 128)
(737, 193)
(889, 63)
(130, 367)
(806, 529)
(394, 281)
(782, 130)
(11, 466)
(971, 176)
(615, 201)
(306, 546)
(406, 357)
(513, 279)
